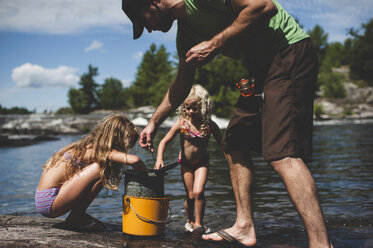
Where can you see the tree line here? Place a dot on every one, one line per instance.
(156, 71)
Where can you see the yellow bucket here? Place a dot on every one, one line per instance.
(144, 216)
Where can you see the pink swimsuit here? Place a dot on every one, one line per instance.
(188, 134)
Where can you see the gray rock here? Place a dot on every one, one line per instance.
(24, 231)
(355, 94)
(27, 231)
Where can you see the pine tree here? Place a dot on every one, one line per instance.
(154, 66)
(320, 41)
(362, 56)
(84, 99)
(111, 94)
(219, 78)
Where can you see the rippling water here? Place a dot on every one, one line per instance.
(342, 167)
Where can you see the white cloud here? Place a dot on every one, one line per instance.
(35, 76)
(94, 46)
(137, 56)
(61, 16)
(73, 16)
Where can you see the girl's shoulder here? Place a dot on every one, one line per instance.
(181, 121)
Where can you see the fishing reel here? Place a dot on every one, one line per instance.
(246, 86)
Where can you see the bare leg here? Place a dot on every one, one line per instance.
(77, 214)
(200, 178)
(188, 179)
(242, 176)
(303, 192)
(76, 194)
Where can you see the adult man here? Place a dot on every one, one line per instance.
(281, 57)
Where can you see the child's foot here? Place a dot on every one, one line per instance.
(85, 224)
(189, 227)
(201, 229)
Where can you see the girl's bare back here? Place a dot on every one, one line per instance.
(54, 176)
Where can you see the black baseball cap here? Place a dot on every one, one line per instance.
(132, 9)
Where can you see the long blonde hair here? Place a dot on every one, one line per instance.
(198, 94)
(115, 131)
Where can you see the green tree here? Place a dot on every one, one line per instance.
(110, 95)
(84, 99)
(64, 111)
(160, 88)
(332, 86)
(219, 78)
(154, 66)
(224, 101)
(15, 110)
(362, 57)
(222, 71)
(77, 101)
(348, 45)
(334, 56)
(320, 41)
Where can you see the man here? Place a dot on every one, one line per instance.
(280, 55)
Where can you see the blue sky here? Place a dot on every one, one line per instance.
(46, 45)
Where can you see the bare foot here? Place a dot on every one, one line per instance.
(232, 235)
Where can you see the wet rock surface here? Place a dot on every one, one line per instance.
(27, 231)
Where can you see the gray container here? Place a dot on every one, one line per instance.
(140, 184)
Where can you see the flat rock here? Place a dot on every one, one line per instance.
(28, 231)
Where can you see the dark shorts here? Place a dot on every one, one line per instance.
(283, 127)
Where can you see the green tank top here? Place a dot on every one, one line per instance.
(206, 18)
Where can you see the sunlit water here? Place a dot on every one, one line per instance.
(342, 168)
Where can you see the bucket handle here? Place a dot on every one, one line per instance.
(149, 220)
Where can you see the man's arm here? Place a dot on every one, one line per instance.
(175, 95)
(248, 12)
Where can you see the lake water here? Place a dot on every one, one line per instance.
(342, 168)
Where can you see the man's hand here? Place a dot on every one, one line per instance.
(146, 137)
(201, 54)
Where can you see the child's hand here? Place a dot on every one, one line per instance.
(158, 164)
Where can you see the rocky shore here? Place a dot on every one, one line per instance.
(19, 130)
(27, 231)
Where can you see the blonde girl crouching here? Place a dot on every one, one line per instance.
(74, 176)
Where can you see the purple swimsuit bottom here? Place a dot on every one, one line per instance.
(44, 200)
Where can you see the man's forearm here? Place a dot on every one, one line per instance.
(162, 112)
(175, 95)
(173, 98)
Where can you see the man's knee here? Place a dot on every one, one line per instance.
(239, 158)
(285, 163)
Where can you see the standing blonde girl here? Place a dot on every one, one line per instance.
(195, 126)
(73, 176)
